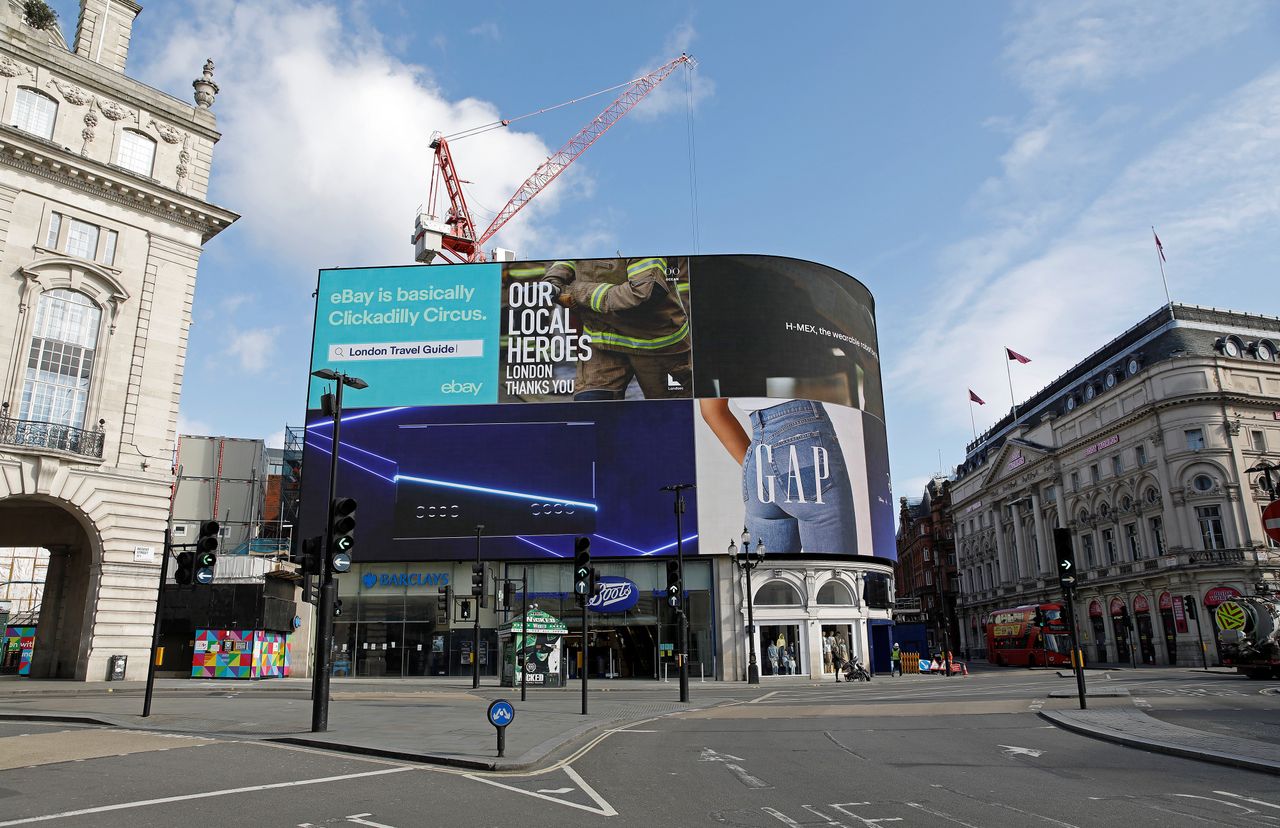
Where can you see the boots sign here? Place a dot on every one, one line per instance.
(616, 594)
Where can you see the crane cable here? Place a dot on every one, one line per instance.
(693, 162)
(504, 122)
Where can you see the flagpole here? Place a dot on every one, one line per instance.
(971, 422)
(1160, 261)
(1009, 374)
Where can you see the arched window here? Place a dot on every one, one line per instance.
(777, 593)
(834, 592)
(60, 362)
(137, 152)
(35, 112)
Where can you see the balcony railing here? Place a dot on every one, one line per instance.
(41, 435)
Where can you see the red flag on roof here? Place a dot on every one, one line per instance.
(1159, 246)
(975, 398)
(1012, 354)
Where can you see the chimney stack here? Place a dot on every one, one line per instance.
(104, 30)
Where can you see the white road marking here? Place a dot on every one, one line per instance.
(1014, 750)
(709, 755)
(556, 790)
(871, 823)
(945, 816)
(1247, 799)
(765, 696)
(628, 730)
(781, 817)
(187, 797)
(831, 823)
(746, 778)
(603, 809)
(358, 820)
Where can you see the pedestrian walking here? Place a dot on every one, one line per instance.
(895, 659)
(841, 655)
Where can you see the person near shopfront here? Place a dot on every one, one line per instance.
(772, 654)
(827, 643)
(895, 659)
(841, 655)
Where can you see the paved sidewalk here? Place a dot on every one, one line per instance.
(435, 721)
(1134, 728)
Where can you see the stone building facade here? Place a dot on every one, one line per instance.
(926, 567)
(103, 216)
(1145, 451)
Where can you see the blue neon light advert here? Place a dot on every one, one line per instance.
(418, 335)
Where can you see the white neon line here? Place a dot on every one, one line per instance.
(207, 794)
(503, 492)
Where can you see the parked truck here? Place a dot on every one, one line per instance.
(1249, 634)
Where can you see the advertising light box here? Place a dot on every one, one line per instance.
(547, 400)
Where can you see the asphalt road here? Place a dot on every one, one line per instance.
(915, 751)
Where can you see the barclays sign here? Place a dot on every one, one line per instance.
(404, 579)
(616, 594)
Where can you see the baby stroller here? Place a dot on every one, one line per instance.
(853, 669)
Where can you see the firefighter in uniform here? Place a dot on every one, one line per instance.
(638, 323)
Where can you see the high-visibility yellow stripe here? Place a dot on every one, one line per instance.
(569, 265)
(610, 338)
(645, 264)
(526, 272)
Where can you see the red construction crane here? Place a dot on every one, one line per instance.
(455, 238)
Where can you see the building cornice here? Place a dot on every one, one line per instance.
(58, 164)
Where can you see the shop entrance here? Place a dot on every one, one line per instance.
(624, 652)
(1170, 635)
(832, 636)
(1146, 642)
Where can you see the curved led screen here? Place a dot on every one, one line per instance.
(547, 400)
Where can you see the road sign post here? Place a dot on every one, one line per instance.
(1067, 580)
(501, 713)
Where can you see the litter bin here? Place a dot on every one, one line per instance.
(115, 667)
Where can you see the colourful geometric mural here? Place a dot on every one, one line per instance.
(23, 640)
(240, 654)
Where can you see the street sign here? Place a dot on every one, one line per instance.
(1066, 558)
(341, 562)
(204, 575)
(1271, 521)
(501, 713)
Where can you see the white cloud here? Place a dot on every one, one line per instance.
(188, 425)
(1057, 48)
(325, 149)
(252, 348)
(275, 440)
(487, 29)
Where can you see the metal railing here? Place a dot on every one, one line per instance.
(37, 434)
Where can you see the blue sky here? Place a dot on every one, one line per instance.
(990, 170)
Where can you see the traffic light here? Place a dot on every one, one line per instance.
(206, 556)
(1039, 619)
(582, 567)
(1189, 604)
(508, 595)
(309, 559)
(342, 525)
(477, 583)
(595, 587)
(186, 568)
(337, 606)
(464, 610)
(442, 604)
(674, 587)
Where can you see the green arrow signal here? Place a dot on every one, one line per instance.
(343, 542)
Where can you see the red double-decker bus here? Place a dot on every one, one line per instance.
(1027, 636)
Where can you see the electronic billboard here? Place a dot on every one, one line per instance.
(546, 400)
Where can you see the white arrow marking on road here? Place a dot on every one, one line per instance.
(1014, 750)
(746, 778)
(709, 755)
(604, 809)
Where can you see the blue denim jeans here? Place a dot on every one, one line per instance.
(795, 483)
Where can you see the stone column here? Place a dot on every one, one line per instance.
(1043, 543)
(1002, 551)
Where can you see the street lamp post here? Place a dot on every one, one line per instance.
(328, 588)
(748, 559)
